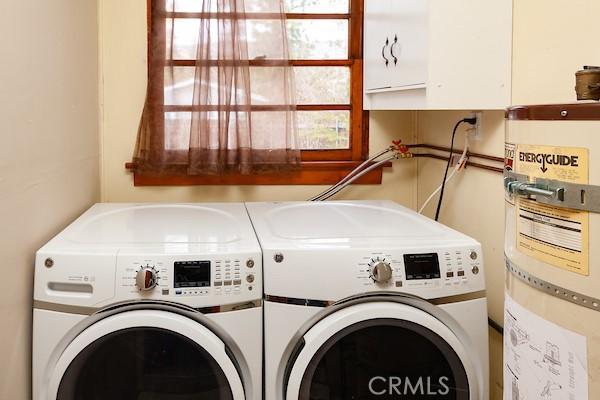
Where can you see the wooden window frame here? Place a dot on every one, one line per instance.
(317, 166)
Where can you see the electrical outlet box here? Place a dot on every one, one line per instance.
(476, 132)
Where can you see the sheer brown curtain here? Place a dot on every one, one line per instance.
(221, 95)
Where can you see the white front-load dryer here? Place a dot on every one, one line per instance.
(150, 301)
(369, 300)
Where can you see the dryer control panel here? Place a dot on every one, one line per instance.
(189, 281)
(459, 268)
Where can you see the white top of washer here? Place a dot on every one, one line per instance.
(181, 228)
(365, 224)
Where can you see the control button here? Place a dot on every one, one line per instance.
(475, 270)
(473, 255)
(460, 273)
(398, 283)
(178, 292)
(250, 263)
(227, 283)
(165, 292)
(250, 288)
(450, 274)
(237, 282)
(218, 283)
(250, 278)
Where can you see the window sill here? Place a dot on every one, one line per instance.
(310, 173)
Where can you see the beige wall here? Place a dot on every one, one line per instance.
(552, 40)
(49, 155)
(473, 204)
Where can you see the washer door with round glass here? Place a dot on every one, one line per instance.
(381, 350)
(143, 355)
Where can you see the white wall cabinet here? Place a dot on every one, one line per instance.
(437, 54)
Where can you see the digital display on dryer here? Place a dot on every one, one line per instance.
(422, 266)
(192, 274)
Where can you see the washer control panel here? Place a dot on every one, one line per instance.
(175, 279)
(454, 268)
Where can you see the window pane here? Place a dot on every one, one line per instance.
(269, 6)
(268, 85)
(317, 6)
(322, 85)
(177, 130)
(264, 39)
(318, 39)
(263, 126)
(185, 38)
(184, 5)
(291, 6)
(324, 130)
(308, 39)
(179, 85)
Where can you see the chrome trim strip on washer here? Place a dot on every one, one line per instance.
(326, 303)
(64, 308)
(69, 309)
(294, 346)
(232, 350)
(550, 288)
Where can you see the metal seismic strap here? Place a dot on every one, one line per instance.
(555, 193)
(552, 289)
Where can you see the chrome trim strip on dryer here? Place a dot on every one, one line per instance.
(550, 288)
(69, 309)
(326, 303)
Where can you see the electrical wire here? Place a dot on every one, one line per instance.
(436, 191)
(350, 174)
(495, 326)
(459, 167)
(439, 206)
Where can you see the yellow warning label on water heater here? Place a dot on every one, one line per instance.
(553, 235)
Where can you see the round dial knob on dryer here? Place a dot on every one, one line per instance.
(381, 271)
(146, 278)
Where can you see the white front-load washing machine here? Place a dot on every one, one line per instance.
(369, 300)
(150, 301)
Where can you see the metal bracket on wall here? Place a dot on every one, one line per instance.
(555, 193)
(552, 289)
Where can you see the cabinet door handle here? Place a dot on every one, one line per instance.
(387, 43)
(392, 49)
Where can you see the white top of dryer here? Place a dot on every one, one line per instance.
(180, 228)
(362, 224)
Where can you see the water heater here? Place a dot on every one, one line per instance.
(552, 250)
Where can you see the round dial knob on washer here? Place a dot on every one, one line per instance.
(146, 278)
(381, 271)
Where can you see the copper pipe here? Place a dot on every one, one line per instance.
(447, 149)
(469, 163)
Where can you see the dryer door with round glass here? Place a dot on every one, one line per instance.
(381, 350)
(145, 354)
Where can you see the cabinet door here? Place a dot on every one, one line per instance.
(377, 44)
(409, 46)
